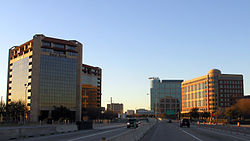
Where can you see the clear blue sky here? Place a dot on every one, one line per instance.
(132, 40)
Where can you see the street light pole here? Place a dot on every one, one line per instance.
(24, 116)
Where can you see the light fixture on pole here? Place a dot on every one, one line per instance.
(24, 116)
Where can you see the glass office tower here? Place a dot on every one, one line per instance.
(51, 70)
(165, 96)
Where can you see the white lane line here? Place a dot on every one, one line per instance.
(191, 135)
(93, 135)
(107, 127)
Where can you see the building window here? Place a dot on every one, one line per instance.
(46, 50)
(72, 53)
(59, 45)
(59, 52)
(47, 44)
(70, 47)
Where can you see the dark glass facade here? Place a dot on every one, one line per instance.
(58, 81)
(165, 95)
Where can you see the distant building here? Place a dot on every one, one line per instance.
(143, 112)
(115, 107)
(165, 96)
(212, 91)
(91, 86)
(48, 70)
(246, 97)
(130, 112)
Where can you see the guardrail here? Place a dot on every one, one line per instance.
(231, 129)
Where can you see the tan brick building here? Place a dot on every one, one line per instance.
(212, 91)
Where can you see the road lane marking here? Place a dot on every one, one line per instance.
(191, 135)
(107, 127)
(94, 134)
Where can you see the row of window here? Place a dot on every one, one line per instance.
(195, 87)
(194, 104)
(58, 52)
(56, 45)
(230, 86)
(230, 91)
(194, 96)
(230, 82)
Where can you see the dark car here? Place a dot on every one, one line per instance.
(170, 121)
(185, 122)
(132, 123)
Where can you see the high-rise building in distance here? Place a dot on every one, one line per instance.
(212, 91)
(165, 96)
(115, 107)
(49, 70)
(91, 86)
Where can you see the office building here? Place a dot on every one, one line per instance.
(91, 86)
(45, 72)
(165, 96)
(115, 107)
(246, 97)
(212, 91)
(143, 112)
(130, 112)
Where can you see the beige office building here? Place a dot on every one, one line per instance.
(212, 91)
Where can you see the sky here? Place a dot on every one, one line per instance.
(132, 40)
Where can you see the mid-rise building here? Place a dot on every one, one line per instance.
(130, 112)
(91, 86)
(45, 72)
(165, 96)
(212, 91)
(115, 107)
(246, 97)
(143, 112)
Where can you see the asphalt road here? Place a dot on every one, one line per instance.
(85, 135)
(164, 131)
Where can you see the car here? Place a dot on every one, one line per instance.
(132, 123)
(170, 121)
(185, 122)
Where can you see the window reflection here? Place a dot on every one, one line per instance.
(57, 81)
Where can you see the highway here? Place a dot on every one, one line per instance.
(95, 134)
(164, 131)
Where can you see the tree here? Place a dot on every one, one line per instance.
(91, 113)
(233, 112)
(62, 113)
(205, 114)
(110, 115)
(194, 112)
(244, 106)
(240, 109)
(220, 113)
(2, 111)
(15, 110)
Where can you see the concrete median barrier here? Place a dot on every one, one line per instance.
(24, 132)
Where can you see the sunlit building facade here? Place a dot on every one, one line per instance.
(91, 83)
(212, 91)
(46, 72)
(165, 96)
